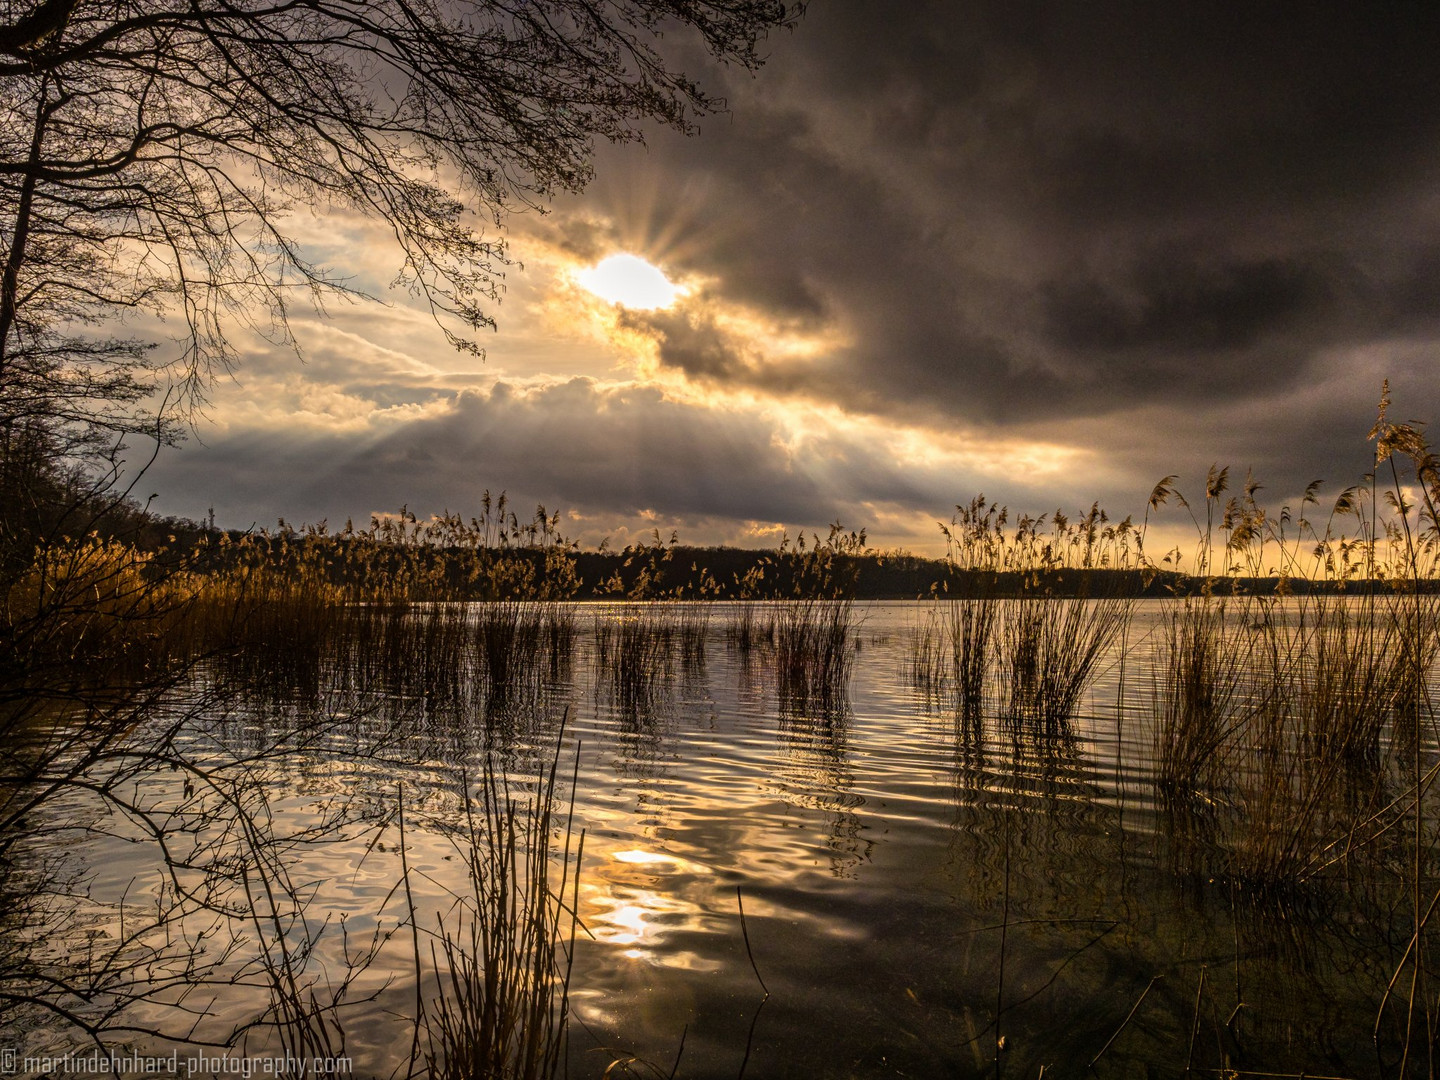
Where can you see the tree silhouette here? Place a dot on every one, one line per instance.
(150, 150)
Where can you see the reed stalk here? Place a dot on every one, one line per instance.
(503, 952)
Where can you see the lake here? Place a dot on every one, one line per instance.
(922, 897)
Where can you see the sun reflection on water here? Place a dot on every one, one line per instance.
(637, 899)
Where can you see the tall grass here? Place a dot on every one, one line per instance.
(814, 656)
(1042, 603)
(502, 953)
(1299, 709)
(1204, 662)
(633, 649)
(752, 625)
(930, 660)
(1067, 615)
(815, 644)
(656, 626)
(976, 546)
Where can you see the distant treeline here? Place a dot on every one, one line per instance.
(426, 571)
(880, 576)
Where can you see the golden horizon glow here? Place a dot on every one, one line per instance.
(631, 282)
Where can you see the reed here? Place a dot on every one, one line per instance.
(634, 655)
(1042, 605)
(657, 625)
(503, 952)
(752, 622)
(752, 626)
(929, 661)
(1295, 710)
(1050, 649)
(975, 543)
(690, 621)
(1202, 667)
(523, 647)
(815, 628)
(972, 633)
(814, 656)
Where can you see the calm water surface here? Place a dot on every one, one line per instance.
(912, 893)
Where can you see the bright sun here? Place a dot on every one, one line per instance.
(631, 282)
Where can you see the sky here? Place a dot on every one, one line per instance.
(1043, 251)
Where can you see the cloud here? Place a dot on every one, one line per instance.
(614, 455)
(1050, 252)
(1016, 212)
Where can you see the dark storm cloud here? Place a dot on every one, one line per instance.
(1051, 212)
(1177, 307)
(689, 341)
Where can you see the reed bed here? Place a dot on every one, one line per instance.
(1043, 601)
(523, 646)
(752, 621)
(1203, 663)
(976, 543)
(971, 625)
(815, 629)
(691, 627)
(928, 669)
(635, 656)
(814, 656)
(657, 627)
(1304, 715)
(1297, 715)
(1294, 728)
(752, 625)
